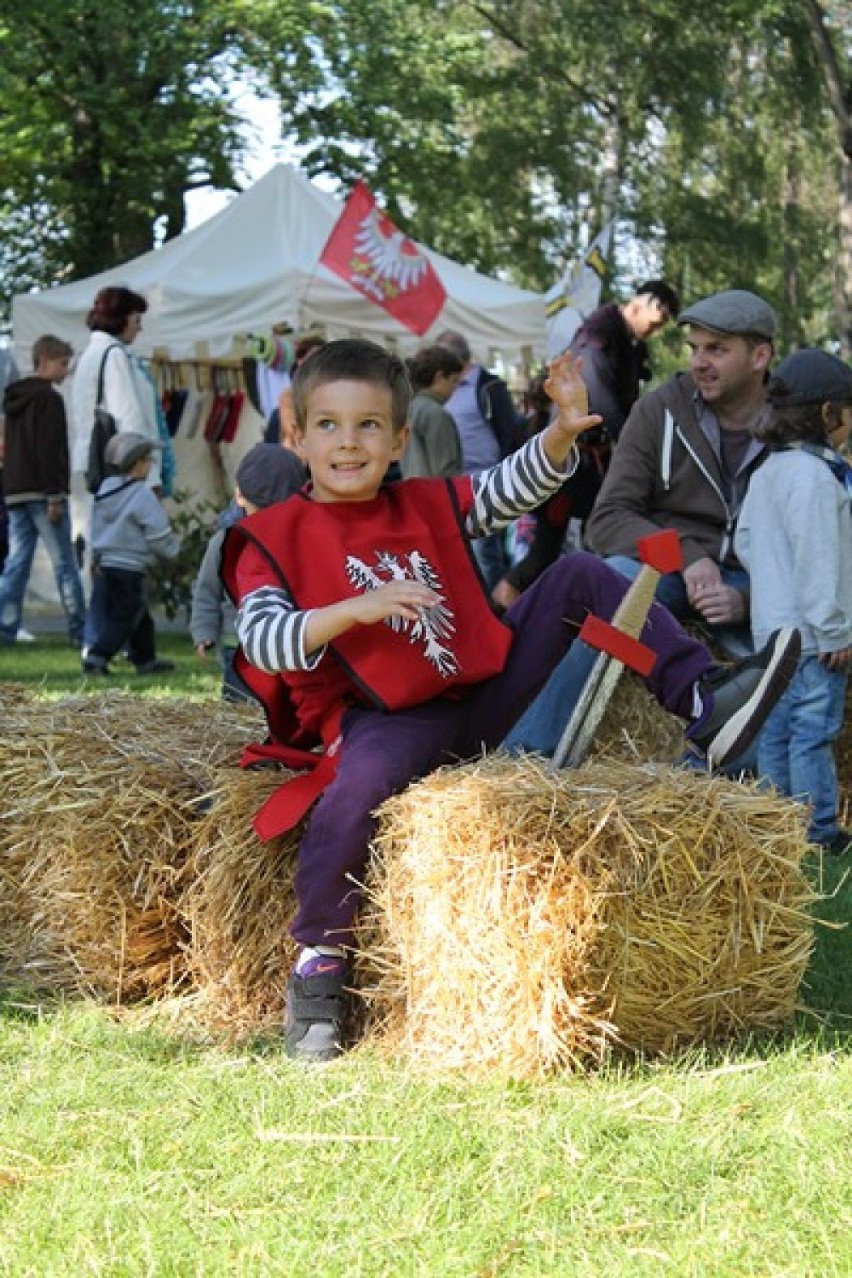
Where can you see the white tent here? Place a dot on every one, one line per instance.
(255, 264)
(251, 266)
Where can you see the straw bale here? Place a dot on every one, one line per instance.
(238, 905)
(531, 921)
(635, 726)
(98, 803)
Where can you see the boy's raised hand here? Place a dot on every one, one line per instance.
(567, 389)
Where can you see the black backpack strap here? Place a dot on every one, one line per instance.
(99, 394)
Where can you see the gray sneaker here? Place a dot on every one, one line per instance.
(739, 697)
(317, 1012)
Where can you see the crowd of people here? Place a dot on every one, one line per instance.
(365, 589)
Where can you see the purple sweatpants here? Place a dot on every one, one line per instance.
(383, 752)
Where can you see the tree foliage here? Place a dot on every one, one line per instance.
(502, 132)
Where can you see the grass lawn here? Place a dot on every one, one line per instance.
(51, 668)
(129, 1147)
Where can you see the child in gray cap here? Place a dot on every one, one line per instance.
(268, 473)
(130, 530)
(795, 537)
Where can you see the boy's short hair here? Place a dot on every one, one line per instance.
(455, 342)
(50, 347)
(429, 362)
(352, 359)
(662, 292)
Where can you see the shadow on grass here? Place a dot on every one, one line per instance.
(827, 989)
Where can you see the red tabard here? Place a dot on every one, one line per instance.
(323, 552)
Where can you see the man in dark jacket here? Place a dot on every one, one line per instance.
(36, 486)
(613, 345)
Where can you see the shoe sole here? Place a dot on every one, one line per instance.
(741, 729)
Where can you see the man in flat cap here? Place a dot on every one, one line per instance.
(684, 460)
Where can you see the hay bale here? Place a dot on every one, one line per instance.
(636, 727)
(238, 905)
(530, 921)
(98, 806)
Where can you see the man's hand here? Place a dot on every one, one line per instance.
(707, 593)
(55, 509)
(567, 389)
(836, 661)
(504, 594)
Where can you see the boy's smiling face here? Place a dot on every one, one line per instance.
(349, 440)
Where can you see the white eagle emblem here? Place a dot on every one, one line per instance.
(387, 262)
(434, 624)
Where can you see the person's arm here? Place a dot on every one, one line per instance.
(619, 517)
(815, 531)
(123, 395)
(445, 456)
(205, 617)
(53, 460)
(162, 540)
(277, 636)
(600, 378)
(551, 522)
(501, 415)
(528, 477)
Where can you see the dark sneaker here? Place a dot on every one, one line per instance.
(98, 669)
(741, 695)
(317, 1007)
(839, 843)
(155, 667)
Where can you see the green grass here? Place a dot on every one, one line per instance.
(50, 667)
(125, 1151)
(130, 1147)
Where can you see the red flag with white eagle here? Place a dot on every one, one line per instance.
(373, 255)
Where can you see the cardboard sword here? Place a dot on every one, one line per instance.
(604, 648)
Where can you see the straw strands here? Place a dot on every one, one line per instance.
(238, 905)
(515, 919)
(530, 921)
(98, 810)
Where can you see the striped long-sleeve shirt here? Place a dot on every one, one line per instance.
(271, 629)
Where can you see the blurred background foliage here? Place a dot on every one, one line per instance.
(502, 133)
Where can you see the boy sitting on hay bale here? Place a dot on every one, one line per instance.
(365, 628)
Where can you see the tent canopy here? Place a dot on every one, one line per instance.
(256, 264)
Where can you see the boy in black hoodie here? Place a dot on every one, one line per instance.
(36, 486)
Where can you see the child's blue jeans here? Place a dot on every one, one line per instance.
(795, 748)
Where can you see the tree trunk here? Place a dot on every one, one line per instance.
(843, 272)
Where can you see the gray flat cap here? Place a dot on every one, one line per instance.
(735, 311)
(128, 447)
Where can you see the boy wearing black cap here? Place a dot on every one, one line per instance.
(268, 473)
(130, 529)
(795, 534)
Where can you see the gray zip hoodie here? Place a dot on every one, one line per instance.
(130, 527)
(666, 474)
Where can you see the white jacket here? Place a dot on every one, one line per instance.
(128, 395)
(795, 538)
